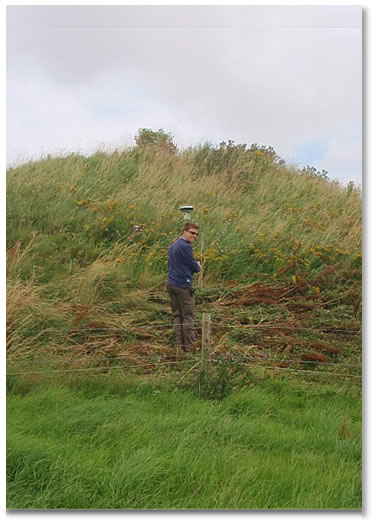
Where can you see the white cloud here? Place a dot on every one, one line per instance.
(343, 161)
(277, 76)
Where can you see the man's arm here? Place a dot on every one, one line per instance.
(190, 260)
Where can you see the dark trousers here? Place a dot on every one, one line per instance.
(183, 307)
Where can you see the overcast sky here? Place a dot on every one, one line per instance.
(86, 77)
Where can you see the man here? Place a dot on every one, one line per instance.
(182, 265)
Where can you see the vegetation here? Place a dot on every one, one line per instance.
(155, 139)
(87, 245)
(87, 241)
(119, 443)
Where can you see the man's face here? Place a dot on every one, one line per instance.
(190, 235)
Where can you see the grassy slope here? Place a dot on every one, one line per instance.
(281, 252)
(75, 264)
(128, 445)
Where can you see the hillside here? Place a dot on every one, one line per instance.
(87, 241)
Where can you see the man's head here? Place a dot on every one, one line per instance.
(190, 231)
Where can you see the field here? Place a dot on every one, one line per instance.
(119, 443)
(87, 309)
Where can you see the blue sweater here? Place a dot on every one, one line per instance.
(181, 264)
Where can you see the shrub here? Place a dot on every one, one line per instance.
(157, 139)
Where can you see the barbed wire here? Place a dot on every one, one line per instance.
(294, 361)
(305, 371)
(97, 329)
(92, 368)
(121, 357)
(221, 357)
(171, 324)
(270, 325)
(151, 365)
(132, 328)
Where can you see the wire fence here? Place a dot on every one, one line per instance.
(101, 368)
(158, 361)
(143, 366)
(198, 361)
(197, 325)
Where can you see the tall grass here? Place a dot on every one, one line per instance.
(87, 240)
(125, 444)
(88, 205)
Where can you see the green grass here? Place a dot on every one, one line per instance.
(74, 259)
(282, 268)
(119, 443)
(256, 213)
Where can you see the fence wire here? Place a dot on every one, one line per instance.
(149, 325)
(103, 368)
(146, 361)
(219, 357)
(255, 366)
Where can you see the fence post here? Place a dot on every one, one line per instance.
(206, 340)
(201, 264)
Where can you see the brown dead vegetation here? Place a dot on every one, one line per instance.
(287, 343)
(314, 357)
(146, 346)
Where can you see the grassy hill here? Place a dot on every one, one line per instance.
(87, 241)
(103, 412)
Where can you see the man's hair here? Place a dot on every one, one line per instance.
(187, 226)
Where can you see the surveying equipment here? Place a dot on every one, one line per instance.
(186, 210)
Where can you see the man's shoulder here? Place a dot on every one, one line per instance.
(175, 242)
(180, 243)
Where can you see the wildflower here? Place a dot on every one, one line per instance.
(137, 229)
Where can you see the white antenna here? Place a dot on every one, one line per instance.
(186, 210)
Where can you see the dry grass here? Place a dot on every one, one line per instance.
(82, 293)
